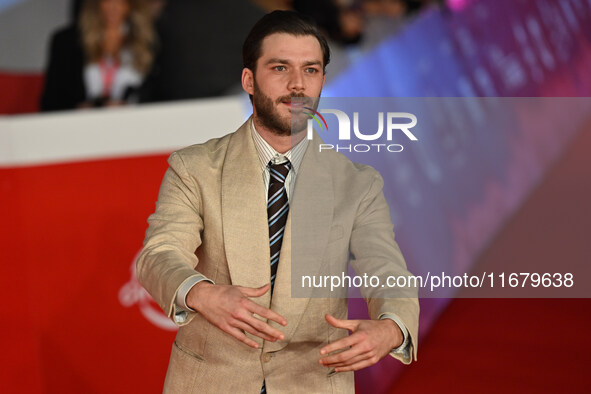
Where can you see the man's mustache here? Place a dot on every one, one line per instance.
(301, 100)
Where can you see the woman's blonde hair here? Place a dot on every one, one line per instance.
(140, 38)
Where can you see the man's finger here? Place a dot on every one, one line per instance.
(340, 344)
(341, 357)
(251, 330)
(357, 366)
(350, 325)
(350, 361)
(264, 327)
(241, 336)
(254, 292)
(266, 313)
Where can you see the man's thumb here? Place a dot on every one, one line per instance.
(350, 325)
(255, 291)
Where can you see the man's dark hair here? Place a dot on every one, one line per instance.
(280, 22)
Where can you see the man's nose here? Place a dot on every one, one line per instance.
(296, 81)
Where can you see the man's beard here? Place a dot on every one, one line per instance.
(269, 117)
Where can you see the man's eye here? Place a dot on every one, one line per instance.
(279, 68)
(311, 70)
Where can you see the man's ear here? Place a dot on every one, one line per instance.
(248, 81)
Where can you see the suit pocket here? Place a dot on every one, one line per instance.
(336, 233)
(188, 352)
(185, 370)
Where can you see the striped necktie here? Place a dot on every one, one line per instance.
(277, 209)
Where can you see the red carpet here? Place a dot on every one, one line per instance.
(521, 345)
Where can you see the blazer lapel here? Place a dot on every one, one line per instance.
(244, 214)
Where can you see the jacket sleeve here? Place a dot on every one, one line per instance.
(375, 252)
(168, 258)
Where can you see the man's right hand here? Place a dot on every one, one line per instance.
(228, 308)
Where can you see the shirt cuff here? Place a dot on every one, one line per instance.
(405, 342)
(186, 286)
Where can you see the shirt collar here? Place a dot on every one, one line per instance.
(267, 153)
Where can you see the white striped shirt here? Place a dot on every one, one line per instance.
(267, 153)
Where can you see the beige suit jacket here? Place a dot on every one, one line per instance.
(211, 218)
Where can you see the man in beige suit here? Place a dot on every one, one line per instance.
(207, 254)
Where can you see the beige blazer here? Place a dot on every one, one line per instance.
(211, 217)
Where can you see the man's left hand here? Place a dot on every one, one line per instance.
(369, 342)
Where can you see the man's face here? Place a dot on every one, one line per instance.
(289, 66)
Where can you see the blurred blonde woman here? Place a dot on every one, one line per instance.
(103, 60)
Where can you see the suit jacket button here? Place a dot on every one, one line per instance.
(266, 357)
